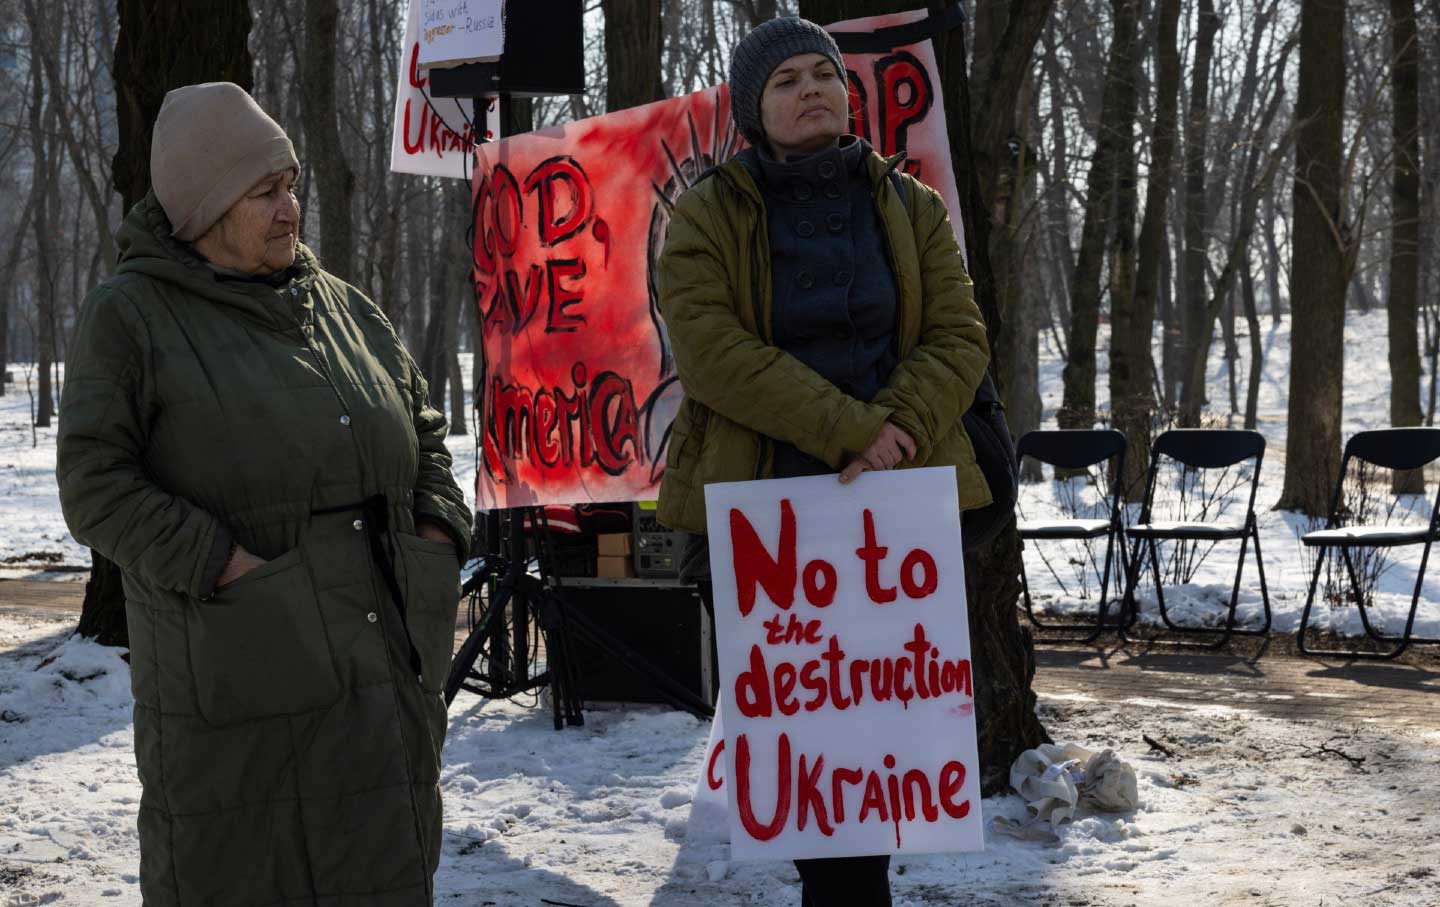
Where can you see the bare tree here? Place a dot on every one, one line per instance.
(1402, 307)
(632, 53)
(1132, 319)
(325, 152)
(1320, 266)
(43, 116)
(1197, 127)
(1117, 122)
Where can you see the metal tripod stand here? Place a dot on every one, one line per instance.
(525, 604)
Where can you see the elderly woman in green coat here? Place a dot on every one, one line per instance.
(822, 321)
(244, 435)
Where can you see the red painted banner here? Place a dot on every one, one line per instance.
(579, 384)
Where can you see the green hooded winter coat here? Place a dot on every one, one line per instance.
(287, 734)
(742, 392)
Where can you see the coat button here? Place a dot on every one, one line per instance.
(294, 291)
(345, 420)
(803, 192)
(835, 223)
(359, 525)
(372, 617)
(827, 169)
(832, 190)
(805, 229)
(842, 278)
(804, 280)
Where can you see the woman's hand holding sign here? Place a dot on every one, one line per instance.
(889, 449)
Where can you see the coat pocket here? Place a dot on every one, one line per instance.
(258, 646)
(432, 600)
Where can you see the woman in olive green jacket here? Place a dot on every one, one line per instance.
(821, 321)
(745, 394)
(245, 436)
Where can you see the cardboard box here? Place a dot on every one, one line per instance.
(610, 567)
(614, 544)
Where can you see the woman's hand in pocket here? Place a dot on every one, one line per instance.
(240, 563)
(431, 532)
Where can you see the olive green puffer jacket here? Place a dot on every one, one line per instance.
(741, 391)
(288, 725)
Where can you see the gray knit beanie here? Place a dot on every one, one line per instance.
(756, 57)
(212, 143)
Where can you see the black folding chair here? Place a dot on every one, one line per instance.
(1388, 448)
(1077, 449)
(1197, 449)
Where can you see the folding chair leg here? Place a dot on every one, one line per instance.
(1092, 632)
(1415, 600)
(1310, 602)
(1105, 585)
(1253, 535)
(1025, 586)
(1359, 594)
(1402, 642)
(1225, 632)
(1264, 590)
(1129, 607)
(1406, 637)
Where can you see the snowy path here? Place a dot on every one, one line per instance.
(1252, 811)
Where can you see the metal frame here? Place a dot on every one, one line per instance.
(1197, 449)
(1365, 446)
(1078, 449)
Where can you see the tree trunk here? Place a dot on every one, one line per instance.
(164, 45)
(450, 285)
(1197, 124)
(1132, 375)
(1117, 121)
(1001, 649)
(632, 53)
(1272, 257)
(1318, 264)
(1402, 308)
(325, 152)
(42, 148)
(1025, 410)
(1062, 255)
(46, 33)
(161, 45)
(1132, 319)
(1004, 176)
(7, 275)
(1252, 188)
(1257, 353)
(384, 46)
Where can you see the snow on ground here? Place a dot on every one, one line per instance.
(1257, 812)
(32, 529)
(1288, 566)
(1254, 811)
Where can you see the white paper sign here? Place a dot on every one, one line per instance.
(845, 663)
(461, 30)
(432, 136)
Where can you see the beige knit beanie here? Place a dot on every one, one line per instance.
(212, 143)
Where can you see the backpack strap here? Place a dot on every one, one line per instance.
(899, 183)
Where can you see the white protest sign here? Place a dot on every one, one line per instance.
(432, 136)
(845, 664)
(461, 31)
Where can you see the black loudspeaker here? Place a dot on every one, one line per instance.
(544, 55)
(664, 622)
(657, 549)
